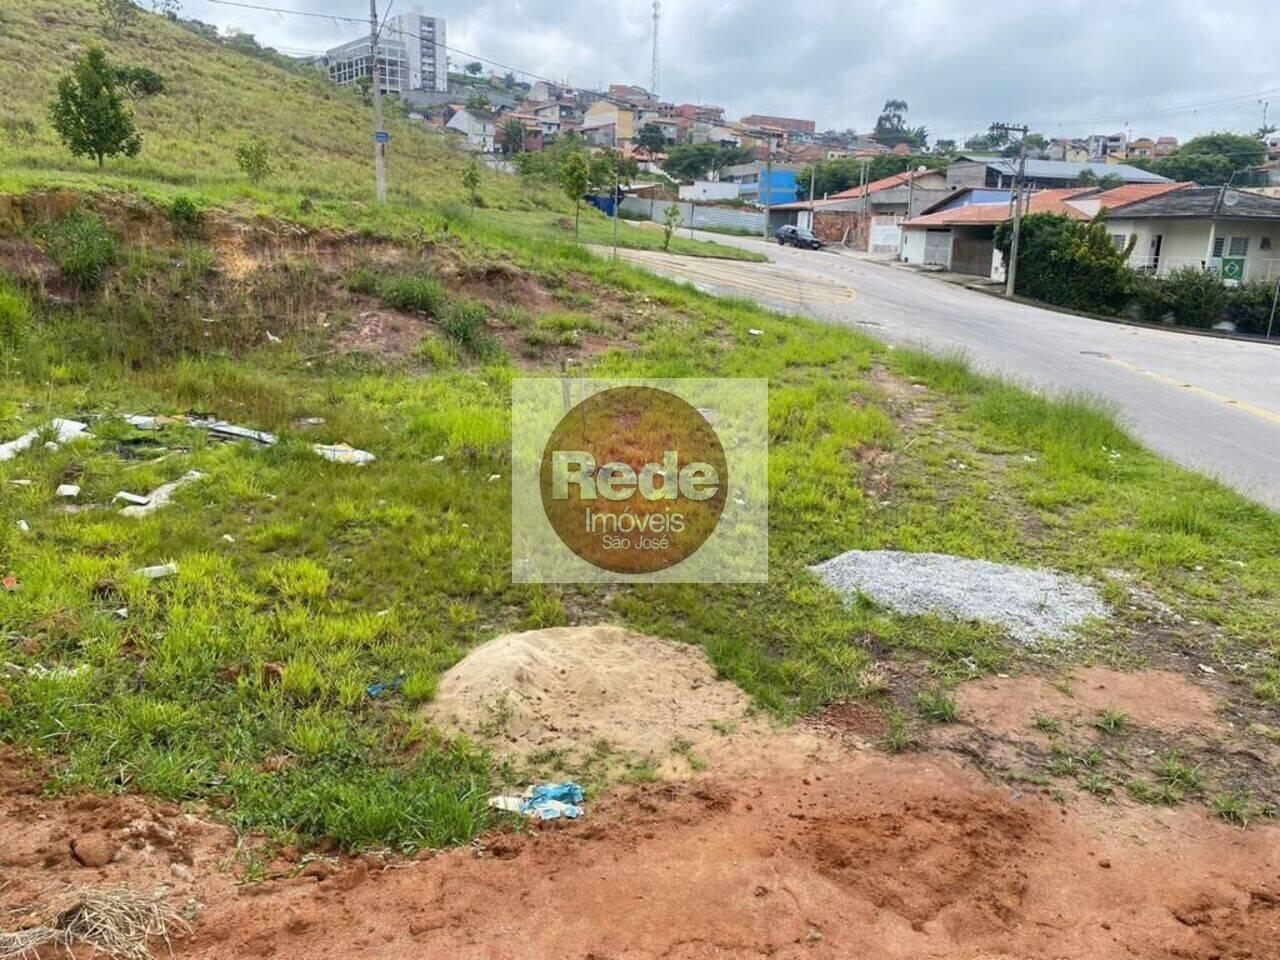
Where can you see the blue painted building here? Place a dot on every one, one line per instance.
(757, 185)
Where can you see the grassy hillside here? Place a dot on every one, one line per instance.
(320, 135)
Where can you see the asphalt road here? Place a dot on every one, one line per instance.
(1210, 404)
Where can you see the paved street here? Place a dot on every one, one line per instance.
(1210, 404)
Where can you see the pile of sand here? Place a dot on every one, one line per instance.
(571, 687)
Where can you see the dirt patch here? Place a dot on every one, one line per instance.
(382, 333)
(848, 855)
(567, 689)
(1159, 699)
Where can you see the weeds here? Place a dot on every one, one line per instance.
(1111, 720)
(938, 706)
(83, 248)
(417, 292)
(1174, 771)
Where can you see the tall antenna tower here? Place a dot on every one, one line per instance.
(653, 80)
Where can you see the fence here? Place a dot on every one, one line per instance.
(1258, 269)
(696, 214)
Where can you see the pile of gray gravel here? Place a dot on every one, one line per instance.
(1030, 604)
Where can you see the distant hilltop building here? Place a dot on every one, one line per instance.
(411, 56)
(786, 123)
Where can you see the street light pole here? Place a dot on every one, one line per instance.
(379, 148)
(1274, 299)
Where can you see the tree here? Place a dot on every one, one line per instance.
(166, 8)
(479, 101)
(652, 138)
(254, 159)
(511, 136)
(846, 172)
(474, 68)
(1069, 263)
(89, 114)
(993, 141)
(117, 14)
(891, 127)
(139, 82)
(670, 220)
(1213, 159)
(575, 178)
(471, 180)
(946, 147)
(690, 161)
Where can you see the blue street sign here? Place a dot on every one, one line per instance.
(382, 137)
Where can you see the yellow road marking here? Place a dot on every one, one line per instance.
(764, 280)
(1199, 391)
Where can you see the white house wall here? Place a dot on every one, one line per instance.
(1186, 242)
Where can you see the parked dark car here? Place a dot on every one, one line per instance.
(798, 237)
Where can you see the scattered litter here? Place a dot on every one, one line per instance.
(494, 476)
(272, 338)
(24, 527)
(20, 483)
(68, 490)
(312, 421)
(1205, 668)
(755, 333)
(157, 498)
(384, 686)
(66, 430)
(141, 421)
(133, 498)
(222, 430)
(342, 453)
(1029, 603)
(10, 582)
(438, 458)
(121, 612)
(156, 572)
(229, 538)
(40, 671)
(547, 801)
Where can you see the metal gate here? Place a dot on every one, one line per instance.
(937, 247)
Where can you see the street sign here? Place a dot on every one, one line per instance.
(1233, 268)
(382, 137)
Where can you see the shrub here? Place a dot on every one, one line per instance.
(1249, 305)
(417, 292)
(1195, 297)
(464, 322)
(15, 317)
(254, 159)
(1069, 263)
(185, 217)
(83, 248)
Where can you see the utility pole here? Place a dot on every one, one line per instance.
(1011, 275)
(617, 202)
(1275, 299)
(379, 135)
(766, 188)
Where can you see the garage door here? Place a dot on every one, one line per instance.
(972, 255)
(937, 247)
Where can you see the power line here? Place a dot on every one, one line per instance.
(407, 33)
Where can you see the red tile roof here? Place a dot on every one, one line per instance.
(1133, 192)
(885, 183)
(984, 214)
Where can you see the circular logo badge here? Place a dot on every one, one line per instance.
(633, 480)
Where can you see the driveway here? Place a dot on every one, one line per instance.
(1207, 403)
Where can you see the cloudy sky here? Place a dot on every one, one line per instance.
(1067, 68)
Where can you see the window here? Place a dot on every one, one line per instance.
(1120, 240)
(1238, 247)
(1218, 244)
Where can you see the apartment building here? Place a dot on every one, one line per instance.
(412, 55)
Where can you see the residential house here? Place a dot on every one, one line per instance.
(790, 124)
(608, 123)
(1073, 151)
(629, 93)
(1103, 145)
(1273, 145)
(706, 131)
(1234, 233)
(867, 217)
(1166, 146)
(704, 191)
(968, 171)
(756, 185)
(703, 112)
(478, 126)
(1143, 148)
(958, 234)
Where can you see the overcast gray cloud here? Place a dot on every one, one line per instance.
(1068, 67)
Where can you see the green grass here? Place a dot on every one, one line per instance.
(242, 680)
